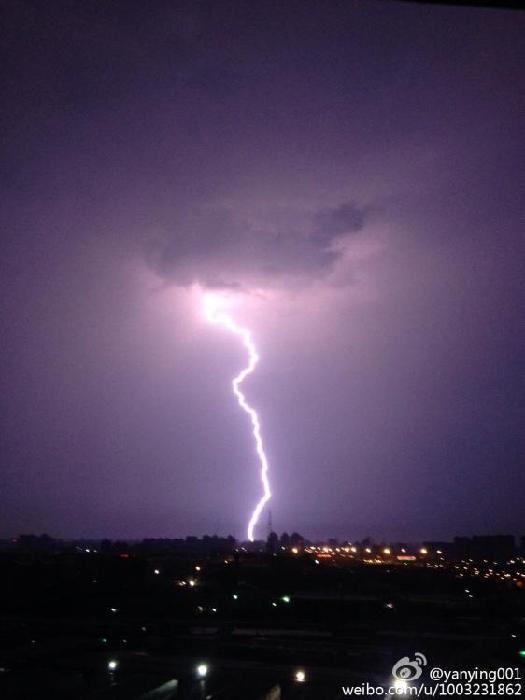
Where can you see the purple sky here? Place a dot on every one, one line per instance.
(352, 174)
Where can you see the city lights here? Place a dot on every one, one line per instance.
(262, 425)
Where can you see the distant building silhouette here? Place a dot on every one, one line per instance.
(495, 547)
(272, 543)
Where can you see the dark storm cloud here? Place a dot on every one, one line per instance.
(329, 223)
(218, 246)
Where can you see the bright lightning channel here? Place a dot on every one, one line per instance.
(215, 314)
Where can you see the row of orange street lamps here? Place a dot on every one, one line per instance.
(327, 552)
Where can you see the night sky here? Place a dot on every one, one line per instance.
(350, 175)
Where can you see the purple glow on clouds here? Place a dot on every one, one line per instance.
(352, 175)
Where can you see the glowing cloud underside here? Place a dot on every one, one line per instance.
(215, 314)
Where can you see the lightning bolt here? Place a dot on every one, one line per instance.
(215, 314)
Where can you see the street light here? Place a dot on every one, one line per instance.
(300, 675)
(400, 686)
(202, 670)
